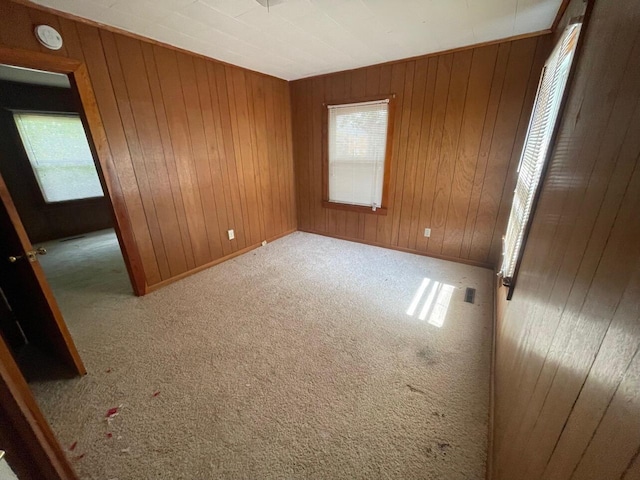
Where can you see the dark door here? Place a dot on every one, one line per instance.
(27, 292)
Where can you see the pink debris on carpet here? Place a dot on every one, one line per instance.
(112, 412)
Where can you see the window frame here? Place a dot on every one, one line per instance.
(326, 203)
(510, 282)
(36, 187)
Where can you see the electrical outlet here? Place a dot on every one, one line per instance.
(427, 232)
(231, 234)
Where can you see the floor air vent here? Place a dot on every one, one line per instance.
(470, 295)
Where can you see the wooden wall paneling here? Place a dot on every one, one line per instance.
(263, 138)
(151, 159)
(632, 471)
(131, 134)
(620, 349)
(71, 38)
(224, 136)
(283, 185)
(200, 155)
(255, 154)
(300, 146)
(182, 229)
(120, 155)
(316, 140)
(458, 123)
(543, 255)
(385, 223)
(543, 49)
(13, 33)
(252, 173)
(213, 160)
(567, 364)
(477, 99)
(572, 242)
(586, 339)
(178, 180)
(592, 196)
(616, 444)
(287, 157)
(407, 221)
(566, 234)
(491, 114)
(431, 140)
(422, 160)
(400, 163)
(458, 88)
(514, 88)
(274, 141)
(308, 136)
(281, 170)
(39, 17)
(235, 83)
(93, 123)
(286, 180)
(172, 93)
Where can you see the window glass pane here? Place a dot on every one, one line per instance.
(357, 147)
(59, 153)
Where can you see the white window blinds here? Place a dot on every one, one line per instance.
(60, 156)
(536, 146)
(357, 147)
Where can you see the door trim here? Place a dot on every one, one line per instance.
(60, 335)
(31, 446)
(79, 77)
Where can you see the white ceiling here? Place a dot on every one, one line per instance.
(301, 38)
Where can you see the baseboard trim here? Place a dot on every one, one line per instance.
(168, 281)
(465, 261)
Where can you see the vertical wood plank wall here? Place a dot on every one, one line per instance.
(458, 131)
(199, 147)
(568, 344)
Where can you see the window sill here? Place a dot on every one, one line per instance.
(354, 208)
(73, 203)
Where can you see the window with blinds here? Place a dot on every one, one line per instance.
(536, 148)
(357, 146)
(60, 156)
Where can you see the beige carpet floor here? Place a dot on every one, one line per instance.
(307, 358)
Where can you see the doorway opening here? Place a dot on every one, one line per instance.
(53, 180)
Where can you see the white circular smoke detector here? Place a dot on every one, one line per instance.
(49, 37)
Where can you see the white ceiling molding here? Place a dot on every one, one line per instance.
(294, 39)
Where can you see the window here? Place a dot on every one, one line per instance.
(60, 157)
(358, 154)
(536, 150)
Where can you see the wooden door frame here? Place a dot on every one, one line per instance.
(90, 114)
(31, 446)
